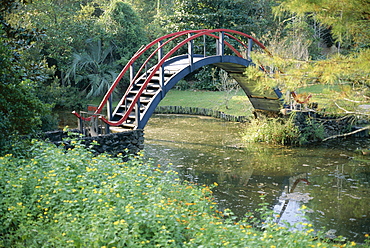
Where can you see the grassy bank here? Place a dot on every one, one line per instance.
(239, 104)
(236, 104)
(55, 198)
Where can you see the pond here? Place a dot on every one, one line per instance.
(332, 180)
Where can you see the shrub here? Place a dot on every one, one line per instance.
(272, 130)
(59, 198)
(284, 131)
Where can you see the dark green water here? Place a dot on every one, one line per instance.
(332, 180)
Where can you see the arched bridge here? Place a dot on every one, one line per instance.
(170, 58)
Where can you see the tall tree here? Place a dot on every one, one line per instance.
(21, 112)
(246, 16)
(68, 25)
(123, 28)
(348, 21)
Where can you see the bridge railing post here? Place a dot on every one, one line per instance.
(191, 52)
(221, 44)
(204, 46)
(250, 43)
(109, 113)
(161, 69)
(137, 113)
(132, 72)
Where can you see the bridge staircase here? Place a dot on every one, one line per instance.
(152, 88)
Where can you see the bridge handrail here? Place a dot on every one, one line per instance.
(197, 34)
(175, 35)
(161, 46)
(169, 40)
(123, 72)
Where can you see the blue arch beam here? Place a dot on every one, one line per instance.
(178, 67)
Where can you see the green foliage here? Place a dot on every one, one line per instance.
(348, 19)
(294, 130)
(92, 70)
(67, 97)
(58, 198)
(21, 111)
(205, 78)
(274, 131)
(311, 131)
(294, 38)
(123, 28)
(288, 74)
(68, 26)
(245, 16)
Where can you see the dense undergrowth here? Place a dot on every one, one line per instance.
(59, 198)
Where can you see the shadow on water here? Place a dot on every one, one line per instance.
(332, 180)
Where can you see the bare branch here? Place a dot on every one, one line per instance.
(351, 112)
(346, 134)
(350, 100)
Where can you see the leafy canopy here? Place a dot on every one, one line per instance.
(347, 19)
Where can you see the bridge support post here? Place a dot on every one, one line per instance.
(81, 126)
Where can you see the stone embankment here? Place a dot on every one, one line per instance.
(128, 142)
(330, 125)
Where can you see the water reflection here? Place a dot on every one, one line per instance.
(332, 180)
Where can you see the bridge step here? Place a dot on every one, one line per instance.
(145, 92)
(145, 100)
(124, 107)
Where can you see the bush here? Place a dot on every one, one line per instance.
(284, 131)
(59, 198)
(273, 131)
(21, 112)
